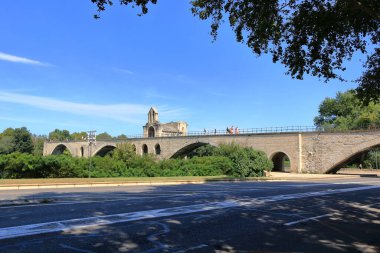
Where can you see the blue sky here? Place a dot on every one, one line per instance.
(61, 68)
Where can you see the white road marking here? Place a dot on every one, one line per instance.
(75, 249)
(65, 225)
(192, 248)
(307, 219)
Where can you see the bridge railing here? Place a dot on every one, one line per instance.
(259, 130)
(287, 129)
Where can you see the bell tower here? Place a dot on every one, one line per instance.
(152, 116)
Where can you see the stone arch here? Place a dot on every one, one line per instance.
(157, 149)
(350, 158)
(103, 151)
(281, 162)
(144, 149)
(60, 149)
(151, 132)
(188, 148)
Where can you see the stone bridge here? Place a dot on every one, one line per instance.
(308, 152)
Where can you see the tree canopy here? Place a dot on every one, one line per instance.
(346, 112)
(16, 140)
(60, 135)
(313, 37)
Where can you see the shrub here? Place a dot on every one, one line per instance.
(247, 162)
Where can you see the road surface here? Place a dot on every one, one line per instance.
(339, 215)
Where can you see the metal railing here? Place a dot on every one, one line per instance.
(244, 131)
(259, 130)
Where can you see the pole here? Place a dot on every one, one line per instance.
(89, 165)
(91, 138)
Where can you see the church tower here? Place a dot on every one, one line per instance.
(153, 128)
(152, 116)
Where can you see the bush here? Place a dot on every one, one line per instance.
(246, 162)
(229, 159)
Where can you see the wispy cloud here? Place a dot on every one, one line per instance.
(18, 59)
(130, 113)
(150, 93)
(126, 71)
(172, 114)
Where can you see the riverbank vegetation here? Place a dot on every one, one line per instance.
(21, 157)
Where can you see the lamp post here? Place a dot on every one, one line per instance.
(91, 139)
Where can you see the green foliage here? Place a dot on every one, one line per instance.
(78, 136)
(372, 160)
(247, 162)
(60, 135)
(369, 82)
(23, 140)
(122, 137)
(101, 4)
(346, 112)
(228, 159)
(104, 136)
(206, 150)
(38, 144)
(16, 140)
(7, 144)
(124, 152)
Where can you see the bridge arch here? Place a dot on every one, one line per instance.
(144, 149)
(181, 153)
(350, 158)
(281, 162)
(157, 149)
(103, 151)
(60, 149)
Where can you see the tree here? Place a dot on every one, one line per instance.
(60, 135)
(373, 159)
(125, 152)
(7, 144)
(38, 144)
(78, 136)
(312, 37)
(23, 140)
(369, 89)
(16, 140)
(122, 137)
(345, 112)
(206, 150)
(104, 136)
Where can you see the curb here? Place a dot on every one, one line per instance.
(151, 183)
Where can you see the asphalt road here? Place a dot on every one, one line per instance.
(320, 216)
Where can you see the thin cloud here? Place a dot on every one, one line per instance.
(130, 113)
(153, 94)
(172, 114)
(18, 59)
(126, 71)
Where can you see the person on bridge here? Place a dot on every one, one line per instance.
(236, 130)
